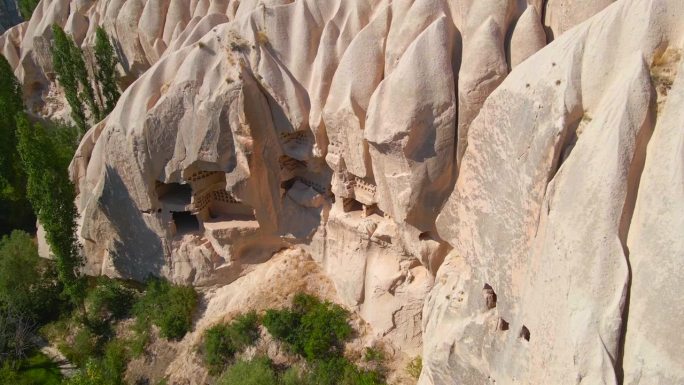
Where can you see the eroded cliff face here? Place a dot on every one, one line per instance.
(495, 183)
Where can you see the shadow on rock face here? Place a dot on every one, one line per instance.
(137, 250)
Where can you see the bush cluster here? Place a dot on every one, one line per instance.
(110, 299)
(312, 328)
(167, 306)
(261, 371)
(222, 341)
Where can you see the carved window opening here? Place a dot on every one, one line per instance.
(524, 333)
(502, 325)
(351, 204)
(489, 297)
(185, 222)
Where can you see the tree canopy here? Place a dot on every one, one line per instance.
(106, 71)
(52, 195)
(26, 7)
(70, 66)
(15, 211)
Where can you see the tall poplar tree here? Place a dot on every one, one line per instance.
(63, 65)
(52, 195)
(15, 210)
(106, 73)
(72, 74)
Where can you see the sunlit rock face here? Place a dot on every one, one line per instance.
(493, 184)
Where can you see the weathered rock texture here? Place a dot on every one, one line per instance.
(520, 227)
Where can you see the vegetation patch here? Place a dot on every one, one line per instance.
(222, 341)
(35, 369)
(313, 330)
(167, 306)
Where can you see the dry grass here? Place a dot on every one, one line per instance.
(262, 38)
(664, 71)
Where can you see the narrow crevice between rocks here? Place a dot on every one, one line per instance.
(633, 181)
(547, 29)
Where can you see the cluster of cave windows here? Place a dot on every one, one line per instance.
(202, 198)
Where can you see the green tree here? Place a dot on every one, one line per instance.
(106, 70)
(27, 282)
(26, 8)
(169, 307)
(12, 178)
(72, 74)
(312, 328)
(64, 68)
(52, 195)
(15, 210)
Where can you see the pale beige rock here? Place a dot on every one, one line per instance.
(653, 343)
(528, 36)
(411, 147)
(249, 126)
(561, 15)
(541, 212)
(484, 70)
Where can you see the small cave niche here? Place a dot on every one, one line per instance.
(287, 184)
(351, 204)
(524, 333)
(502, 325)
(185, 222)
(489, 297)
(175, 194)
(428, 236)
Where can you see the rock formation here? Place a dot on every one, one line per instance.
(495, 183)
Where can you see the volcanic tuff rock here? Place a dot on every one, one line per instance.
(521, 227)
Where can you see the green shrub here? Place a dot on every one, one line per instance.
(114, 361)
(141, 336)
(28, 284)
(372, 354)
(110, 299)
(221, 342)
(97, 368)
(294, 376)
(255, 372)
(90, 374)
(33, 370)
(83, 347)
(312, 328)
(340, 371)
(167, 306)
(283, 325)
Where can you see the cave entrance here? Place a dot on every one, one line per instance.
(351, 204)
(174, 195)
(185, 222)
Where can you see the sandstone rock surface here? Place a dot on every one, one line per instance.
(497, 184)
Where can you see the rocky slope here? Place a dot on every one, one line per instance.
(498, 183)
